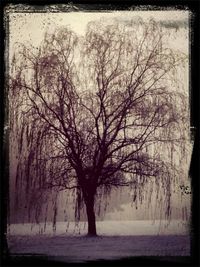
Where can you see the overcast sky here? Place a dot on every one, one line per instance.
(31, 27)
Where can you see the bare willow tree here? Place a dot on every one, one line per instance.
(97, 112)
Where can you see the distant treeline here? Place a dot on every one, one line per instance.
(170, 24)
(174, 24)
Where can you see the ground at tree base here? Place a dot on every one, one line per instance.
(69, 247)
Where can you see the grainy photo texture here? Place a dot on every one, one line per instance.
(99, 134)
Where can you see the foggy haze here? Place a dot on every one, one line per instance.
(31, 27)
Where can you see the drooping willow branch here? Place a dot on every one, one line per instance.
(93, 114)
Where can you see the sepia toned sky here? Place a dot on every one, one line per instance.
(30, 27)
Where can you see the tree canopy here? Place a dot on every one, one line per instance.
(96, 112)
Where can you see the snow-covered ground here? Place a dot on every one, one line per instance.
(117, 239)
(110, 228)
(70, 249)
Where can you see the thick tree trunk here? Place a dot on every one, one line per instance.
(91, 216)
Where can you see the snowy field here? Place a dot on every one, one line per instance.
(107, 228)
(117, 239)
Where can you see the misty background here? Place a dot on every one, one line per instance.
(30, 27)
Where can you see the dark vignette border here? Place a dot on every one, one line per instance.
(39, 6)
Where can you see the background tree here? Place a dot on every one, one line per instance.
(98, 112)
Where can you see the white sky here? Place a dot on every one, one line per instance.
(31, 27)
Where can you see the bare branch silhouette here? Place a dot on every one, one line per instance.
(94, 111)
